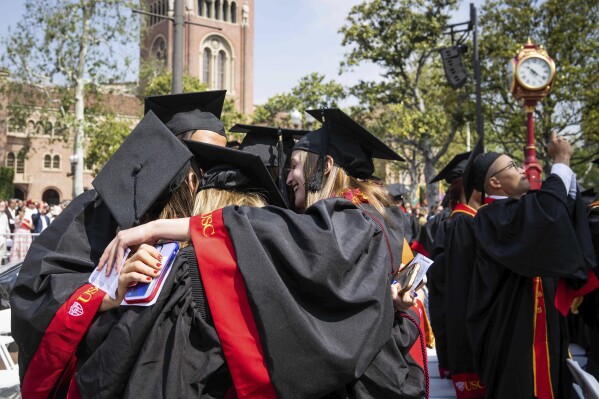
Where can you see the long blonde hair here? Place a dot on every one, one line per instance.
(212, 199)
(336, 182)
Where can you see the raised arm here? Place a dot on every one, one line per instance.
(149, 233)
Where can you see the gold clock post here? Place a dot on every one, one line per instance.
(531, 72)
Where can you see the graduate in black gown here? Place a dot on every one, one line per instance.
(398, 193)
(301, 302)
(526, 241)
(437, 299)
(59, 263)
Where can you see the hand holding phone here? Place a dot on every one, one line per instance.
(406, 277)
(145, 293)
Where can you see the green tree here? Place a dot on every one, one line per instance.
(6, 179)
(410, 105)
(104, 138)
(161, 84)
(311, 91)
(569, 29)
(60, 52)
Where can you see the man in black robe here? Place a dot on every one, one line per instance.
(437, 298)
(524, 244)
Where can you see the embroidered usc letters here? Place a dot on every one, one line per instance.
(207, 224)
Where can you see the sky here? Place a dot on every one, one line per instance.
(292, 39)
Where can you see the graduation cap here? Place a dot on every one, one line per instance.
(453, 170)
(397, 190)
(351, 146)
(264, 141)
(596, 161)
(230, 169)
(476, 169)
(143, 172)
(189, 111)
(272, 144)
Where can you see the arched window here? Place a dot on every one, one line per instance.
(30, 127)
(20, 163)
(226, 11)
(56, 162)
(201, 8)
(220, 73)
(233, 12)
(47, 162)
(48, 128)
(206, 65)
(209, 8)
(163, 8)
(39, 129)
(51, 196)
(10, 160)
(19, 193)
(218, 7)
(159, 49)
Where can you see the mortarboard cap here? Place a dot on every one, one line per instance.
(397, 190)
(596, 161)
(272, 144)
(189, 111)
(351, 146)
(264, 142)
(477, 167)
(230, 169)
(143, 172)
(453, 170)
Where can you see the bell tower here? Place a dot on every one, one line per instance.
(219, 51)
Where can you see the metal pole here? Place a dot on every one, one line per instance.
(531, 164)
(477, 75)
(178, 47)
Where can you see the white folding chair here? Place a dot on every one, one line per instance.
(587, 383)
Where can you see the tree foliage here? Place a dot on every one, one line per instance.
(410, 105)
(569, 29)
(311, 91)
(6, 179)
(104, 139)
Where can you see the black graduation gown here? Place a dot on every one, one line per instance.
(459, 253)
(425, 243)
(58, 262)
(518, 240)
(300, 305)
(589, 309)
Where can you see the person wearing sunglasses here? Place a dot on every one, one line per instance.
(533, 255)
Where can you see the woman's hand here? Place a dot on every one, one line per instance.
(124, 239)
(401, 301)
(142, 267)
(149, 233)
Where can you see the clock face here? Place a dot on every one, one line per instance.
(534, 73)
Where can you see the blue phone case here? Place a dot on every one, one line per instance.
(142, 291)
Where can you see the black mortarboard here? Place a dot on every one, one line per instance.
(230, 169)
(264, 142)
(143, 172)
(397, 190)
(453, 169)
(351, 146)
(272, 144)
(189, 111)
(477, 167)
(596, 161)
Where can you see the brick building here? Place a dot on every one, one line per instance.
(220, 53)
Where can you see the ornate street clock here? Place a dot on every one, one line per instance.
(530, 76)
(531, 73)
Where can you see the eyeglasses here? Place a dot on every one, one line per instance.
(510, 165)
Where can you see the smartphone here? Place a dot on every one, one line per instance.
(406, 277)
(145, 292)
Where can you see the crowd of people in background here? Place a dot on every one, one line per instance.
(20, 222)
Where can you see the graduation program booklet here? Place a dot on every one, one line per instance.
(108, 284)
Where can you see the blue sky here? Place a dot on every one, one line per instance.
(292, 39)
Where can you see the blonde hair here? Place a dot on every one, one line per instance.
(212, 199)
(337, 182)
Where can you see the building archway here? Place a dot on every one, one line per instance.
(217, 64)
(19, 193)
(51, 196)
